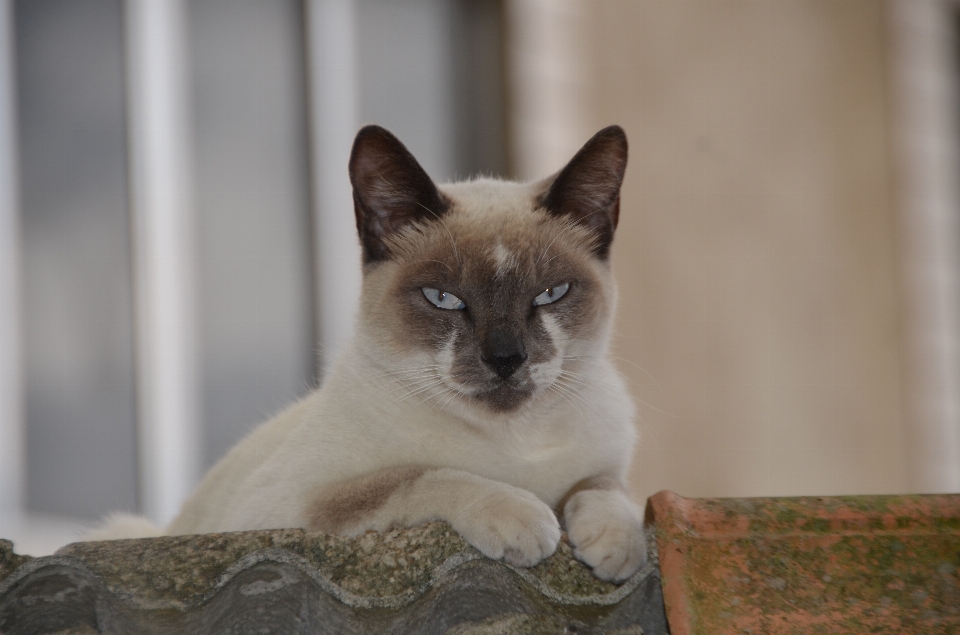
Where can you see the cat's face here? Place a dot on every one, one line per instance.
(497, 302)
(496, 296)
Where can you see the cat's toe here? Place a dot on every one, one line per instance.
(533, 544)
(616, 555)
(607, 534)
(521, 530)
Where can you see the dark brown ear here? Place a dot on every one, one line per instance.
(390, 190)
(587, 190)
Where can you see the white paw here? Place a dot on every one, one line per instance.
(606, 531)
(512, 524)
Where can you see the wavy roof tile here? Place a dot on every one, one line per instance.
(423, 580)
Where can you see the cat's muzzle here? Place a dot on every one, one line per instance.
(503, 352)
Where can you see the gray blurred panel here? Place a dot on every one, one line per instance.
(479, 88)
(429, 70)
(81, 438)
(406, 77)
(255, 287)
(432, 71)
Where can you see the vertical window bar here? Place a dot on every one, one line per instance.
(11, 394)
(925, 105)
(333, 107)
(549, 83)
(164, 259)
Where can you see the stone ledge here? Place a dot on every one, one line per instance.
(421, 580)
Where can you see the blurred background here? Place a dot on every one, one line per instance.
(178, 259)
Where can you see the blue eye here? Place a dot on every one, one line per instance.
(443, 299)
(552, 294)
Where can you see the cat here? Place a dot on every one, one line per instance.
(478, 388)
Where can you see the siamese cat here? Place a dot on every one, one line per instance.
(477, 388)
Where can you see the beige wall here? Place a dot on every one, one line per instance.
(759, 316)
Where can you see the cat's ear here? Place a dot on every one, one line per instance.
(587, 190)
(390, 190)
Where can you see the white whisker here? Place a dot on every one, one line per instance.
(416, 392)
(641, 368)
(563, 392)
(546, 249)
(453, 243)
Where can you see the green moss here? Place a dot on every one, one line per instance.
(10, 561)
(817, 525)
(869, 578)
(516, 624)
(379, 565)
(185, 568)
(568, 576)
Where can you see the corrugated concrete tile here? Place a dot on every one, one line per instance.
(420, 580)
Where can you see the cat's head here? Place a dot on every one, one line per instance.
(486, 295)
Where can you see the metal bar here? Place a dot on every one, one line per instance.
(549, 83)
(926, 79)
(12, 443)
(332, 77)
(164, 259)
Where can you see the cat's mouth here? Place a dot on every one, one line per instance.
(503, 395)
(476, 384)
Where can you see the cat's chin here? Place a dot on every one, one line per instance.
(503, 398)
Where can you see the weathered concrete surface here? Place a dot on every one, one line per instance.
(856, 564)
(421, 580)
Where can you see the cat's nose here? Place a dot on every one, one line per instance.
(505, 366)
(504, 353)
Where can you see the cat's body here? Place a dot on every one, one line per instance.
(477, 388)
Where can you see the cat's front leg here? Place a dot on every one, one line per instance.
(500, 520)
(605, 528)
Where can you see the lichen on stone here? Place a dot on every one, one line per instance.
(516, 624)
(185, 569)
(568, 576)
(9, 561)
(179, 568)
(380, 565)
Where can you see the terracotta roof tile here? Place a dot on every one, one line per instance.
(857, 564)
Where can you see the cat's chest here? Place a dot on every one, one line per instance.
(510, 450)
(348, 437)
(545, 457)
